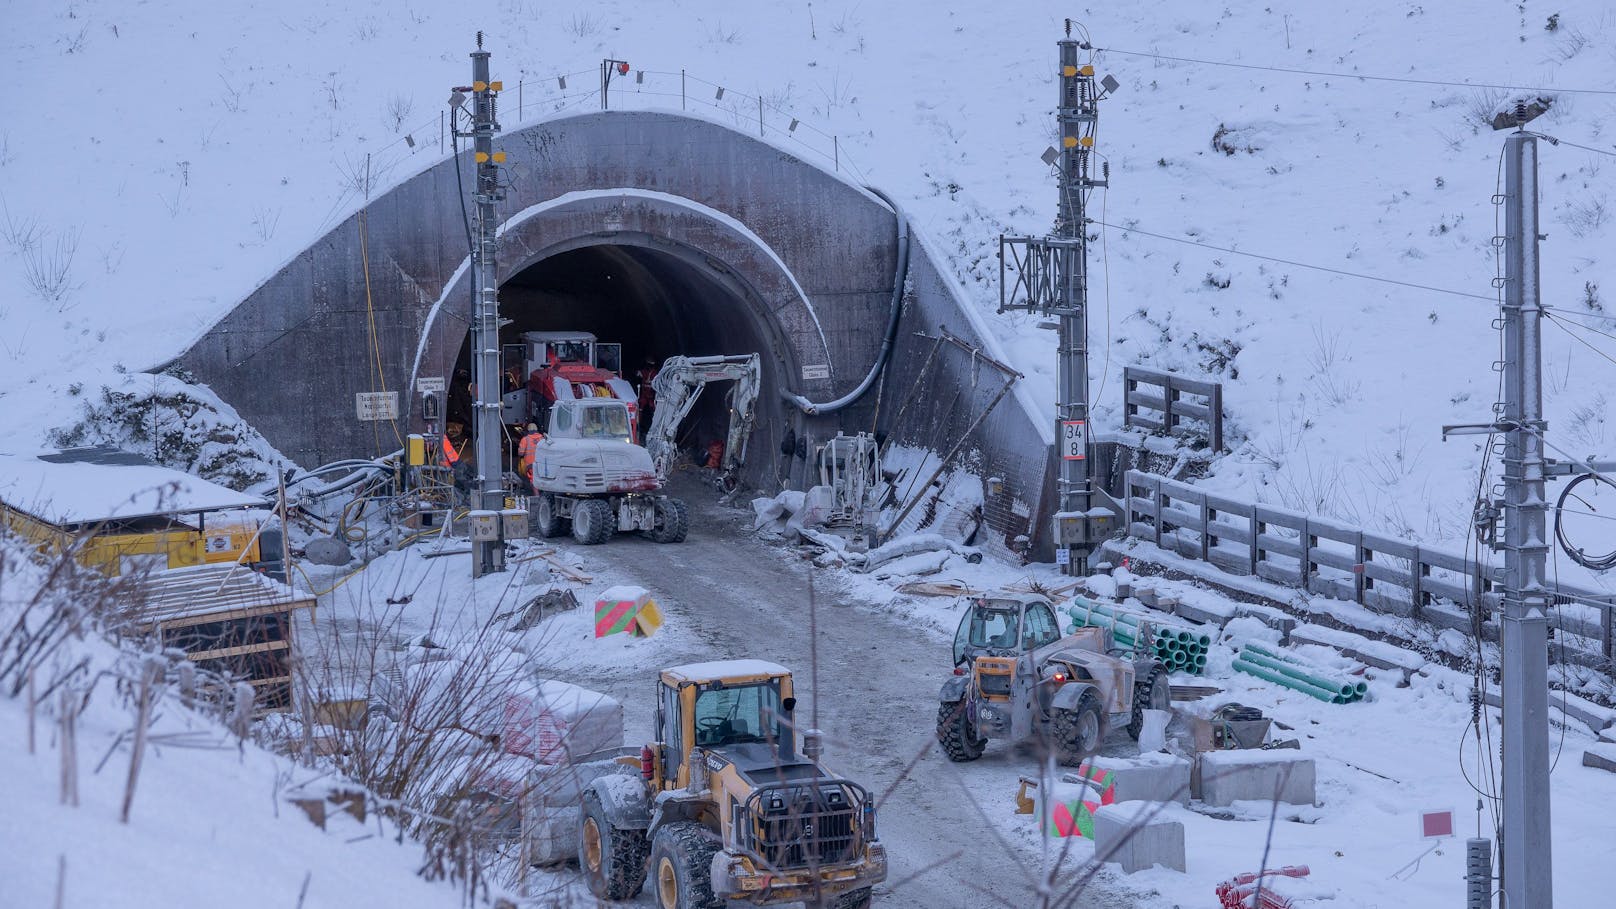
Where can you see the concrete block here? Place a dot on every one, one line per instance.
(1601, 755)
(1149, 778)
(1267, 615)
(1139, 836)
(1226, 777)
(1199, 614)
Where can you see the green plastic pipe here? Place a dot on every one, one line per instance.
(1286, 681)
(1353, 687)
(1344, 689)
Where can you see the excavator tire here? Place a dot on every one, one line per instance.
(593, 521)
(672, 521)
(546, 522)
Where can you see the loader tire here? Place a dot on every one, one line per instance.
(1078, 731)
(593, 522)
(672, 521)
(546, 521)
(960, 742)
(853, 899)
(681, 867)
(1149, 693)
(612, 858)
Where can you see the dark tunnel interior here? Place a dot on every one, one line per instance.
(655, 303)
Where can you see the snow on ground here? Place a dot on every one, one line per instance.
(209, 824)
(210, 144)
(187, 150)
(1379, 763)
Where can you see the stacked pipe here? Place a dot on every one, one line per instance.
(1179, 649)
(1241, 891)
(1291, 672)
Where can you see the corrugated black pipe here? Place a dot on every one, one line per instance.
(899, 279)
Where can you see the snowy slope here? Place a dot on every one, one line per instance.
(209, 823)
(184, 151)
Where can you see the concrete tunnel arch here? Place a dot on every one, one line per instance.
(732, 293)
(801, 261)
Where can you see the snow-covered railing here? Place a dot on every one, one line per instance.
(1382, 573)
(1164, 394)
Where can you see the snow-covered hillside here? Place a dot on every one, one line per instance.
(177, 153)
(203, 816)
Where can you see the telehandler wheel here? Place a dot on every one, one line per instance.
(1150, 693)
(853, 899)
(960, 742)
(593, 521)
(681, 867)
(546, 522)
(612, 858)
(1077, 731)
(672, 520)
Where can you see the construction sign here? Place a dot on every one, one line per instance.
(626, 610)
(1073, 801)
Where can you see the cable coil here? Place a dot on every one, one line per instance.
(1597, 563)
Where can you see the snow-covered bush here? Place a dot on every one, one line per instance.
(177, 425)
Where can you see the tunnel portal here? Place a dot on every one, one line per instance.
(664, 232)
(654, 301)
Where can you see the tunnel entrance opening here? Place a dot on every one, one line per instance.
(655, 303)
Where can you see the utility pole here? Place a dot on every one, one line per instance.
(487, 554)
(1049, 275)
(1526, 866)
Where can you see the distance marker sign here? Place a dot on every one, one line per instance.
(1074, 440)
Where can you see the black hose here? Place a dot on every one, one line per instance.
(899, 279)
(1597, 563)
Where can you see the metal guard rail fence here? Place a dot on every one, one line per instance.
(1381, 573)
(1170, 403)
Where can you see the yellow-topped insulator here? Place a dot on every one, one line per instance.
(499, 157)
(481, 157)
(1068, 71)
(1086, 141)
(1069, 142)
(496, 86)
(1087, 70)
(479, 86)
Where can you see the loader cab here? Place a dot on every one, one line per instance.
(1004, 626)
(538, 349)
(726, 706)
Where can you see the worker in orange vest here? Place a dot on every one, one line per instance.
(528, 448)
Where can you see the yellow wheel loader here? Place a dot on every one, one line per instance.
(730, 804)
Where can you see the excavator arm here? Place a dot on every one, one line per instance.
(679, 385)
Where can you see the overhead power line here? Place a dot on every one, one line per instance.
(1405, 79)
(1324, 268)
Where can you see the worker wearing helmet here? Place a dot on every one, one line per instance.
(528, 449)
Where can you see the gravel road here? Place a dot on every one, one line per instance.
(951, 834)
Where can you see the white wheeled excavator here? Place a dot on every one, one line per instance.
(680, 383)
